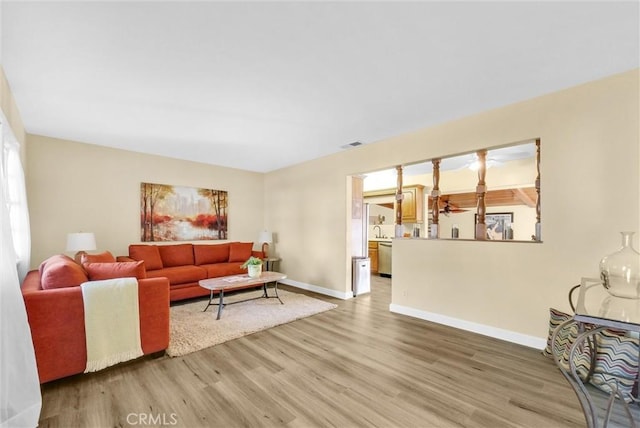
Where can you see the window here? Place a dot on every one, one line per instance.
(510, 199)
(16, 198)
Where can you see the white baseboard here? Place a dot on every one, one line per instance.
(497, 333)
(319, 290)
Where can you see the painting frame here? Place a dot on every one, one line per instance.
(181, 213)
(495, 224)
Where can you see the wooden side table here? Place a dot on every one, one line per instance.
(269, 262)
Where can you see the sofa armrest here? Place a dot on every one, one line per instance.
(124, 259)
(56, 319)
(153, 298)
(258, 254)
(31, 282)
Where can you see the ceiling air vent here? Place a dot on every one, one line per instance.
(351, 145)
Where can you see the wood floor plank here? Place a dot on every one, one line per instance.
(358, 365)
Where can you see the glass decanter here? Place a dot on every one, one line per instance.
(620, 271)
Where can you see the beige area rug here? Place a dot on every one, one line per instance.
(193, 330)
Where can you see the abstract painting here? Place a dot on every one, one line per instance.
(176, 213)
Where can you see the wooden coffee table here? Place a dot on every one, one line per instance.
(239, 282)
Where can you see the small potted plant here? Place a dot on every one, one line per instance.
(253, 266)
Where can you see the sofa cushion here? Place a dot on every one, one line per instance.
(62, 273)
(240, 251)
(97, 271)
(179, 274)
(176, 255)
(223, 269)
(206, 254)
(105, 257)
(148, 253)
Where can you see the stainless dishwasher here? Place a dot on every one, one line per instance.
(384, 259)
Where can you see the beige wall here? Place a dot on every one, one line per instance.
(524, 222)
(79, 187)
(590, 161)
(590, 152)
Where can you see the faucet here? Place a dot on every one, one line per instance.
(379, 231)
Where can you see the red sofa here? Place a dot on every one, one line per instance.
(56, 316)
(186, 264)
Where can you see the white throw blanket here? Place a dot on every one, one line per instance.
(112, 322)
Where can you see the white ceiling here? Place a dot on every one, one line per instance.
(260, 86)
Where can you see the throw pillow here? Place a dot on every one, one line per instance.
(616, 365)
(556, 318)
(582, 360)
(99, 271)
(240, 251)
(57, 257)
(105, 257)
(148, 253)
(62, 273)
(564, 340)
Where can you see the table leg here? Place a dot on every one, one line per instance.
(275, 288)
(210, 300)
(220, 303)
(265, 294)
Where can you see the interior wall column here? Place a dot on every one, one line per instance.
(399, 197)
(537, 184)
(434, 231)
(358, 220)
(481, 191)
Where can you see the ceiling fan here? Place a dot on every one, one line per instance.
(449, 208)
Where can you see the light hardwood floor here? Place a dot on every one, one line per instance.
(354, 366)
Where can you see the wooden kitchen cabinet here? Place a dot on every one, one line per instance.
(413, 204)
(373, 255)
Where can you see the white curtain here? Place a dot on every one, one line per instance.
(20, 398)
(17, 197)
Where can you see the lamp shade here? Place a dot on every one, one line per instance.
(265, 237)
(81, 241)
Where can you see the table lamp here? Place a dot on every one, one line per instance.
(265, 239)
(81, 242)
